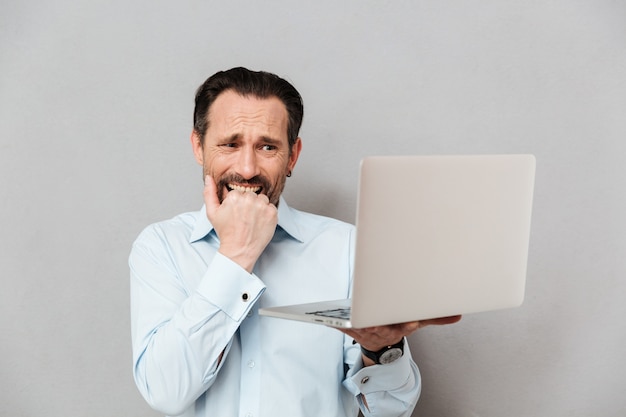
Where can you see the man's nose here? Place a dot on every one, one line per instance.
(248, 166)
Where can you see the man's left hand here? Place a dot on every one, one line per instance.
(376, 338)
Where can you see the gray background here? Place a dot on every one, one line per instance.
(96, 101)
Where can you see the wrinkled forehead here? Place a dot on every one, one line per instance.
(232, 112)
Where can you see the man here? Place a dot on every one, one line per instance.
(197, 281)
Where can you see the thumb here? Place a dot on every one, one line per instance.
(210, 195)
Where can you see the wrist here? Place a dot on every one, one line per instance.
(385, 355)
(239, 257)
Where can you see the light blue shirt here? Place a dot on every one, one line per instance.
(189, 304)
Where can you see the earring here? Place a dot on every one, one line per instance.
(289, 174)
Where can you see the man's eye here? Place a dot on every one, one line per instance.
(229, 145)
(268, 147)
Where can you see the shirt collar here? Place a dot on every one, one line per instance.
(286, 221)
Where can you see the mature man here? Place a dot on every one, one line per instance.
(198, 280)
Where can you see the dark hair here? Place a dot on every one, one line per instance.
(259, 84)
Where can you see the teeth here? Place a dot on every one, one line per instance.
(244, 189)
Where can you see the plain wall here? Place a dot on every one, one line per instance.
(96, 103)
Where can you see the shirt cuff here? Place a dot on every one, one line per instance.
(230, 287)
(376, 378)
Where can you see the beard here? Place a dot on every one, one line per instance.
(272, 191)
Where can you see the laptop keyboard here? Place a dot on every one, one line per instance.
(337, 313)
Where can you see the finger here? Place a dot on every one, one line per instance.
(210, 195)
(410, 327)
(265, 199)
(440, 321)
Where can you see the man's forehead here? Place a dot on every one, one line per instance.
(231, 109)
(230, 100)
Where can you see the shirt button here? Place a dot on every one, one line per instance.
(251, 364)
(245, 296)
(365, 379)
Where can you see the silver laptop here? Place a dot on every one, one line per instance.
(436, 236)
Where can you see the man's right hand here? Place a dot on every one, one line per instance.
(244, 222)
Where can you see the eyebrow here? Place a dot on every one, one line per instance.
(237, 136)
(232, 138)
(271, 141)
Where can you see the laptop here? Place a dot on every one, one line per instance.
(436, 236)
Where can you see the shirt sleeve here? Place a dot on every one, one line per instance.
(390, 390)
(179, 337)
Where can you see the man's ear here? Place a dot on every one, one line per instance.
(295, 153)
(198, 149)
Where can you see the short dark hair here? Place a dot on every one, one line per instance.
(259, 84)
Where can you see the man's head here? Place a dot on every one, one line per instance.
(246, 131)
(259, 84)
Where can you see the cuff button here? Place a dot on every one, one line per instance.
(245, 296)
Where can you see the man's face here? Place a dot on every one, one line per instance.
(246, 145)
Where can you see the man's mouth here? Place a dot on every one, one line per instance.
(256, 190)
